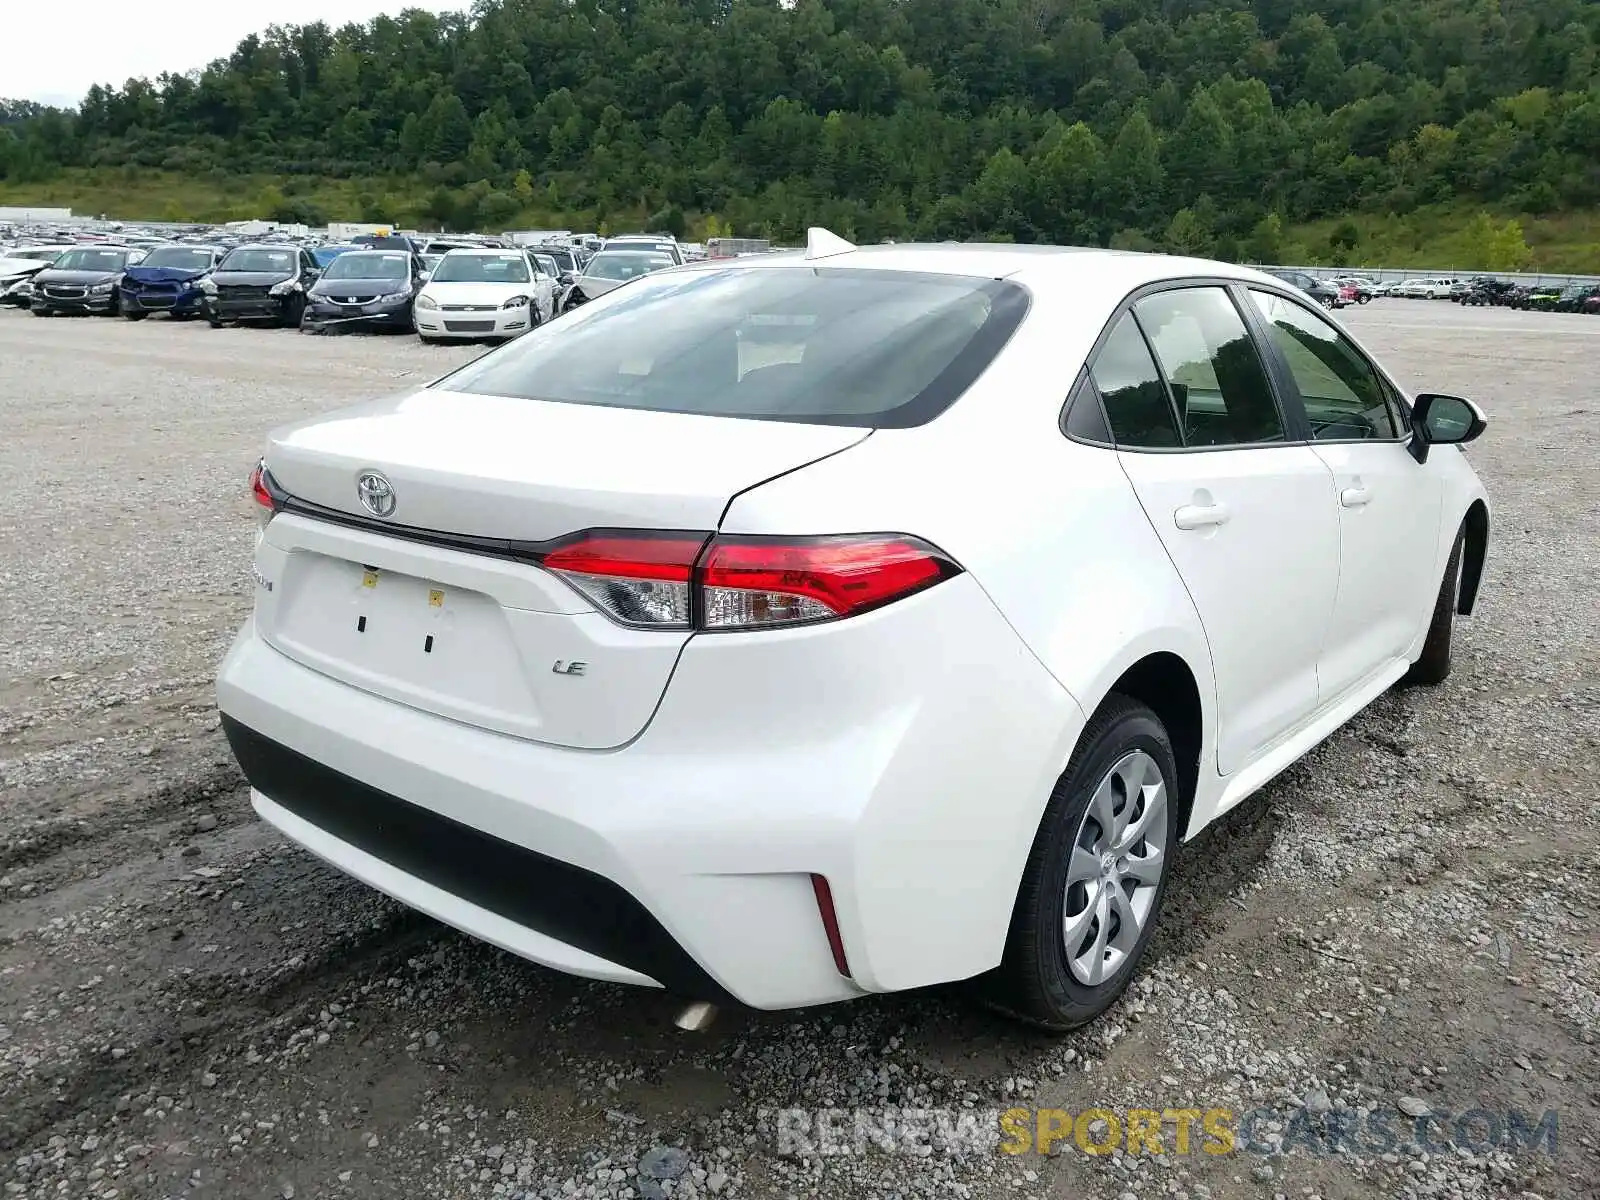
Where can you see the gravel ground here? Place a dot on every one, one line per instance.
(1403, 924)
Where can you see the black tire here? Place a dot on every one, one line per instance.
(293, 309)
(1433, 665)
(134, 316)
(1034, 982)
(214, 322)
(115, 309)
(426, 340)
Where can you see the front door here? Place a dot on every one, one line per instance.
(1389, 506)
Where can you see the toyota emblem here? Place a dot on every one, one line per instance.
(376, 493)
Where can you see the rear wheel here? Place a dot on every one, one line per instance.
(1433, 665)
(1095, 879)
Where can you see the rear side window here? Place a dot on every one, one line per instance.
(1205, 351)
(1130, 385)
(835, 346)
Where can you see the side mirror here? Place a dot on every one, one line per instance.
(1439, 420)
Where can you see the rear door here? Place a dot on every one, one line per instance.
(1389, 507)
(1245, 512)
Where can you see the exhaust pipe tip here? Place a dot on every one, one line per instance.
(696, 1017)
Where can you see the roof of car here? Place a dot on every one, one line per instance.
(1082, 266)
(491, 250)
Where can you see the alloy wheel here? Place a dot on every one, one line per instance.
(1118, 859)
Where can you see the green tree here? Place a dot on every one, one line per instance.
(1265, 244)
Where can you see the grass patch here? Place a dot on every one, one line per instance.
(1439, 238)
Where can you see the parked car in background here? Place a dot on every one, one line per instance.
(83, 280)
(259, 283)
(484, 294)
(1486, 292)
(167, 280)
(1541, 296)
(609, 270)
(18, 266)
(646, 241)
(326, 254)
(1575, 296)
(367, 289)
(1326, 294)
(628, 646)
(569, 261)
(385, 241)
(1429, 288)
(1355, 289)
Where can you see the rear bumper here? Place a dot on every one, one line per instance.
(684, 858)
(464, 876)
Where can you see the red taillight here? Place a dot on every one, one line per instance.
(751, 583)
(637, 578)
(259, 489)
(676, 580)
(830, 923)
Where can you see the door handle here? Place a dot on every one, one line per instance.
(1200, 516)
(1355, 497)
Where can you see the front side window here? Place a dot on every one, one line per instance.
(1343, 397)
(1130, 385)
(1211, 366)
(866, 348)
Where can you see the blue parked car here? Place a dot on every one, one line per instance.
(167, 280)
(326, 254)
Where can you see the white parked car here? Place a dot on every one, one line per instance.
(1424, 289)
(484, 294)
(787, 630)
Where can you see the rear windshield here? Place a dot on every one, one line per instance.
(832, 346)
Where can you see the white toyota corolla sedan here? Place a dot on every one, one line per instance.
(788, 629)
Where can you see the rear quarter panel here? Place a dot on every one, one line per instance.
(1050, 529)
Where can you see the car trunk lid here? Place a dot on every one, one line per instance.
(428, 606)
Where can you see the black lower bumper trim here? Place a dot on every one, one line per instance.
(555, 898)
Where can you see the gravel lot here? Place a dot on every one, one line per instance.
(1407, 921)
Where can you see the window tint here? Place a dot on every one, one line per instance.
(1210, 362)
(1135, 398)
(1343, 396)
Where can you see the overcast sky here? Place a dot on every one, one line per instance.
(55, 49)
